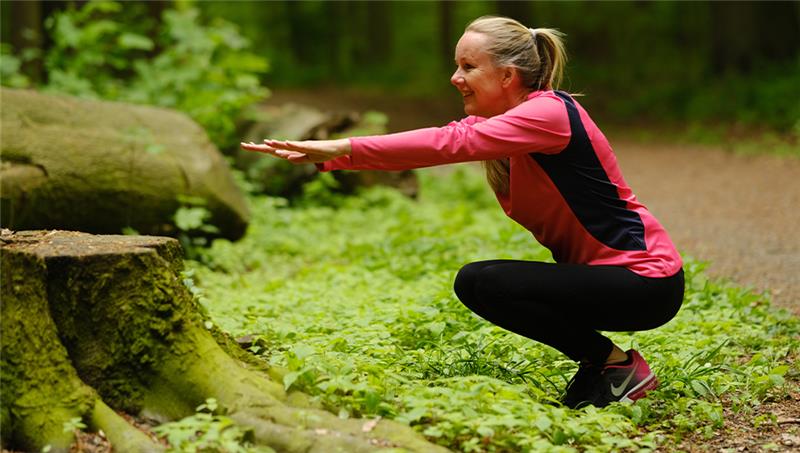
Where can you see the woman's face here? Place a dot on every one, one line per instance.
(481, 84)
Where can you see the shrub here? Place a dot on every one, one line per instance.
(115, 51)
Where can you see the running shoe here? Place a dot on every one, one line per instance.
(600, 386)
(581, 386)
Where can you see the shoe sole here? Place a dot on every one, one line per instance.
(640, 391)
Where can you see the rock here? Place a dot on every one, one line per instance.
(374, 123)
(299, 122)
(286, 122)
(100, 166)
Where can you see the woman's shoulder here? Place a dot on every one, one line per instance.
(546, 98)
(543, 105)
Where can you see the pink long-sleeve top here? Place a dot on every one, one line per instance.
(565, 185)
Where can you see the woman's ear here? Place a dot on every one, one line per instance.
(509, 74)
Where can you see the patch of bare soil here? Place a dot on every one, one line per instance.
(772, 427)
(740, 213)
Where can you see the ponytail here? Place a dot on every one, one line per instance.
(552, 56)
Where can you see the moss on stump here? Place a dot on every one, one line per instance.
(93, 320)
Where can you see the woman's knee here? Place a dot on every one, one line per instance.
(673, 300)
(670, 304)
(464, 284)
(669, 310)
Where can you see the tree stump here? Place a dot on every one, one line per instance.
(91, 323)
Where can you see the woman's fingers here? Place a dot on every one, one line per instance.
(280, 144)
(305, 147)
(291, 156)
(258, 148)
(296, 152)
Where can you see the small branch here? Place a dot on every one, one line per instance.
(787, 420)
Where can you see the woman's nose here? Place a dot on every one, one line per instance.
(456, 79)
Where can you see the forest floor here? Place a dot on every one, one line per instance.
(740, 213)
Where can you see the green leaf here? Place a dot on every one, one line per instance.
(700, 387)
(415, 414)
(135, 41)
(436, 327)
(289, 379)
(780, 370)
(301, 351)
(485, 431)
(187, 219)
(354, 289)
(543, 422)
(776, 380)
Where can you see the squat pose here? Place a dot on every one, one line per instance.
(554, 173)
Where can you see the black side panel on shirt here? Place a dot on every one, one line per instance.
(577, 173)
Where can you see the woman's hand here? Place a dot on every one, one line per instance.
(301, 152)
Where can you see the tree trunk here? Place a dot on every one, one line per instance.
(27, 32)
(446, 46)
(379, 32)
(518, 10)
(745, 34)
(89, 320)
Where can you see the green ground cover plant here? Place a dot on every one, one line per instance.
(352, 303)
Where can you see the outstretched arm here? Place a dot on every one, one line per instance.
(540, 125)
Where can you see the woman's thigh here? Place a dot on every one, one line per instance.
(602, 297)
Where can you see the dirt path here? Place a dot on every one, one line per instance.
(740, 213)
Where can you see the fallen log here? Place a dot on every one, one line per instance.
(99, 166)
(92, 323)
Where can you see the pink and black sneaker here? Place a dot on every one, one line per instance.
(599, 386)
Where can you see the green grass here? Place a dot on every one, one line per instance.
(731, 137)
(355, 304)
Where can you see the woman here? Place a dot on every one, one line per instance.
(553, 172)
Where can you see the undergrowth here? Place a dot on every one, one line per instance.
(354, 302)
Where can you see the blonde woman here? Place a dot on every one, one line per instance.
(554, 173)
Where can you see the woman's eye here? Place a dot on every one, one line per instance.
(468, 67)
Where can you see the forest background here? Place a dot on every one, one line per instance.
(705, 70)
(709, 69)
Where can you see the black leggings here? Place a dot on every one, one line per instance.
(564, 305)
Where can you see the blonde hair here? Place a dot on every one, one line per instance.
(539, 56)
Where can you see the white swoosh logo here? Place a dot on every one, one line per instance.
(617, 391)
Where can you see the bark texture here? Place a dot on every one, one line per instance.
(95, 320)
